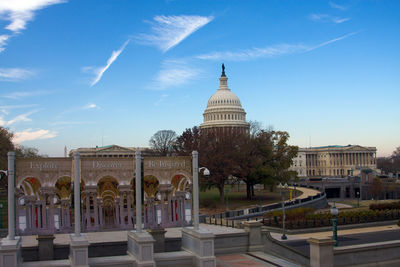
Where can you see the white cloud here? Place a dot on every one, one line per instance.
(22, 117)
(3, 41)
(91, 106)
(174, 73)
(29, 135)
(100, 71)
(269, 51)
(19, 95)
(340, 7)
(14, 74)
(19, 12)
(169, 31)
(327, 18)
(2, 121)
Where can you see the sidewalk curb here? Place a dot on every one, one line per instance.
(329, 228)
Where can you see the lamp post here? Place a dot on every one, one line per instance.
(358, 199)
(196, 170)
(280, 186)
(334, 212)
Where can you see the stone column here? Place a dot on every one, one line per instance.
(116, 207)
(10, 247)
(121, 209)
(129, 206)
(195, 170)
(321, 252)
(101, 218)
(196, 240)
(255, 238)
(140, 243)
(96, 211)
(79, 243)
(51, 211)
(88, 221)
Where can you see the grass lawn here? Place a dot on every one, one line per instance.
(364, 204)
(236, 198)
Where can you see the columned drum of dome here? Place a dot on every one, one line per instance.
(224, 109)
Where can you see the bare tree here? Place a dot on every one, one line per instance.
(162, 142)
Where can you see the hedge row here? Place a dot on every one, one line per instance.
(325, 219)
(385, 206)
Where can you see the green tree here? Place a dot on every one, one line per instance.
(6, 145)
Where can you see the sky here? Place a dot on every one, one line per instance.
(93, 73)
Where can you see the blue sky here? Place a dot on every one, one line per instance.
(87, 73)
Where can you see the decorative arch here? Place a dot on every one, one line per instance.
(150, 185)
(30, 186)
(63, 187)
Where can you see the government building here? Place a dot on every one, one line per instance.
(334, 161)
(224, 111)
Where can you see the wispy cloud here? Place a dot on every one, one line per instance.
(91, 106)
(2, 121)
(327, 18)
(18, 13)
(71, 123)
(160, 100)
(100, 71)
(169, 31)
(174, 73)
(5, 107)
(29, 134)
(22, 117)
(340, 7)
(15, 74)
(269, 51)
(19, 95)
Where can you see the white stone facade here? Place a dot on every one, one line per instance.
(334, 161)
(224, 109)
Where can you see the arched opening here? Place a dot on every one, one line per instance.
(107, 190)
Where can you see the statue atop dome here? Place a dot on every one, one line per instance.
(223, 70)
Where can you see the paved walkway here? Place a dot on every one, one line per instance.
(328, 234)
(121, 236)
(253, 259)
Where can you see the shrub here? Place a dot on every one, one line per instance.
(208, 203)
(385, 206)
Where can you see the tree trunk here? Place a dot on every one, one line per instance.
(248, 191)
(221, 195)
(252, 191)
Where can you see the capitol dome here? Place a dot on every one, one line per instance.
(224, 109)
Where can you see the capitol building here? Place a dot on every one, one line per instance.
(224, 110)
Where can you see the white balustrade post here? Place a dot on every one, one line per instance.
(77, 193)
(195, 163)
(11, 198)
(138, 187)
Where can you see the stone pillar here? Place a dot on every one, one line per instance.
(140, 243)
(201, 244)
(88, 221)
(10, 247)
(342, 192)
(255, 238)
(159, 237)
(101, 217)
(129, 206)
(46, 247)
(116, 207)
(196, 240)
(79, 243)
(321, 252)
(96, 211)
(195, 170)
(121, 209)
(51, 211)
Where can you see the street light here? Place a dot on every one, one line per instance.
(334, 212)
(280, 186)
(358, 199)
